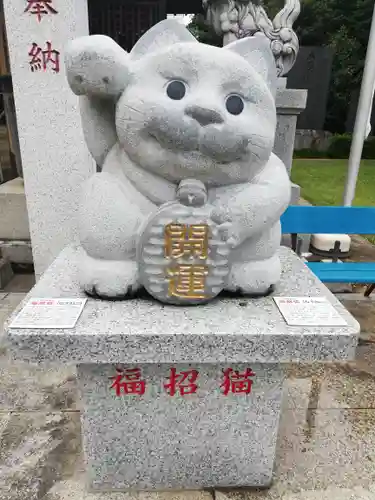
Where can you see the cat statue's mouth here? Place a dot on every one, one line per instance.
(213, 142)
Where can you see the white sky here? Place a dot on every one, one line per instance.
(182, 18)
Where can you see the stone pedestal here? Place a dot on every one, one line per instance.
(290, 103)
(201, 440)
(199, 432)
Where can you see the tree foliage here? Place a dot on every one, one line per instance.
(343, 25)
(203, 32)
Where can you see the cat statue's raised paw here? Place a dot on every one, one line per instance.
(176, 109)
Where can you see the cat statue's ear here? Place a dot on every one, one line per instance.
(257, 52)
(96, 66)
(164, 34)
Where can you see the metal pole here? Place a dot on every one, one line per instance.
(359, 134)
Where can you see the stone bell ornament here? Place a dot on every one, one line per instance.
(182, 256)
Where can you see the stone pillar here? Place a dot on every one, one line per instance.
(54, 155)
(290, 103)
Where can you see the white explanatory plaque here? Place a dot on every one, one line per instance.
(309, 311)
(49, 313)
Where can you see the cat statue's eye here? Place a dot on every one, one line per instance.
(235, 104)
(176, 90)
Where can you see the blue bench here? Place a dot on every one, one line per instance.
(333, 220)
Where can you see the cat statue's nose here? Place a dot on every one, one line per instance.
(204, 116)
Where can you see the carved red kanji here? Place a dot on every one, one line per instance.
(182, 383)
(43, 59)
(236, 382)
(128, 381)
(40, 8)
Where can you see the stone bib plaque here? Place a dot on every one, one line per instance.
(182, 257)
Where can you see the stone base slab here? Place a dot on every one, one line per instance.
(163, 441)
(229, 329)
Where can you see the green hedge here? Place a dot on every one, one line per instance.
(339, 148)
(310, 153)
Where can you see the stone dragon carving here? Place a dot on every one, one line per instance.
(243, 18)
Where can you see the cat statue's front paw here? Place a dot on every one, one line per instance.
(254, 278)
(226, 225)
(109, 279)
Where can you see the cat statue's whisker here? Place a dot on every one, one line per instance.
(134, 109)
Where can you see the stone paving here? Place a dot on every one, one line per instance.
(325, 451)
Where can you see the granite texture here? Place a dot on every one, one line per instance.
(289, 104)
(175, 109)
(55, 159)
(225, 330)
(201, 440)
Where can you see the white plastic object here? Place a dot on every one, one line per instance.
(326, 242)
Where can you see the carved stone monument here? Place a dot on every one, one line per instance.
(237, 19)
(173, 110)
(187, 205)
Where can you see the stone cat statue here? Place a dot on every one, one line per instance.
(174, 109)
